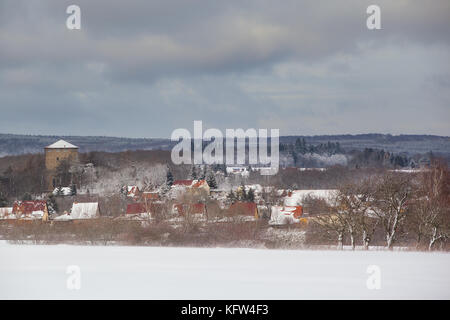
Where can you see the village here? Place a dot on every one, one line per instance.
(204, 208)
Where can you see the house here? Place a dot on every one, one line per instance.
(136, 208)
(64, 217)
(133, 191)
(193, 209)
(63, 191)
(147, 196)
(6, 213)
(296, 197)
(30, 210)
(246, 209)
(281, 215)
(84, 210)
(183, 183)
(195, 187)
(200, 187)
(243, 171)
(139, 210)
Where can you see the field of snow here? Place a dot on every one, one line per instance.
(113, 272)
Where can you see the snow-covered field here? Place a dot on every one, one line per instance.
(39, 272)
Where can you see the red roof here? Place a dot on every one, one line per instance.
(140, 207)
(150, 195)
(197, 208)
(132, 191)
(297, 211)
(28, 207)
(136, 208)
(182, 182)
(199, 183)
(243, 208)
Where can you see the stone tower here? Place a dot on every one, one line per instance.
(54, 154)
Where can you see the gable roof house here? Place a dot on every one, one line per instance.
(148, 196)
(30, 210)
(182, 183)
(245, 209)
(133, 191)
(296, 197)
(281, 215)
(195, 187)
(185, 208)
(84, 210)
(142, 210)
(138, 210)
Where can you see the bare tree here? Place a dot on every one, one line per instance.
(333, 223)
(354, 201)
(389, 203)
(431, 211)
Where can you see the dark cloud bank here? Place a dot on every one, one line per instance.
(144, 68)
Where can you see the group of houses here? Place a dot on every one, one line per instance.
(38, 210)
(177, 202)
(146, 205)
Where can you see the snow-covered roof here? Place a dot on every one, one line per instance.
(285, 215)
(61, 144)
(84, 210)
(29, 207)
(132, 191)
(295, 197)
(255, 187)
(65, 191)
(63, 217)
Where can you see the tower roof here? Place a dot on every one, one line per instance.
(61, 144)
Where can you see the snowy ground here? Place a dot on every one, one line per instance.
(39, 272)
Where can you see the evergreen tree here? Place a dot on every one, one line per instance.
(211, 180)
(250, 195)
(169, 178)
(194, 173)
(231, 196)
(52, 205)
(26, 197)
(202, 175)
(73, 190)
(3, 200)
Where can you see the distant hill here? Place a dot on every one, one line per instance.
(12, 144)
(410, 144)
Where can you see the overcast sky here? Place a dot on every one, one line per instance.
(145, 68)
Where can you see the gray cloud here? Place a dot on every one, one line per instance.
(143, 68)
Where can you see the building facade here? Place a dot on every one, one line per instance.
(55, 154)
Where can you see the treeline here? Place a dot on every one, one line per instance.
(310, 155)
(23, 178)
(301, 147)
